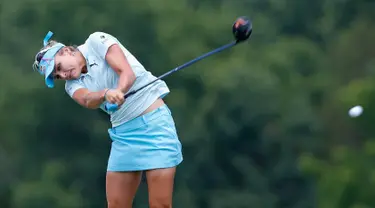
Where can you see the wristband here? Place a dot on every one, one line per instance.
(105, 94)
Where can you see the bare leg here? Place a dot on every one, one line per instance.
(160, 187)
(121, 188)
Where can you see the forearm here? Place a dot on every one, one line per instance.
(125, 82)
(93, 100)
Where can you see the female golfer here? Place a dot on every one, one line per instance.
(143, 132)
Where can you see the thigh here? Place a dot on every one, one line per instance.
(121, 188)
(160, 186)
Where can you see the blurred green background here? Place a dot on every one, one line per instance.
(263, 125)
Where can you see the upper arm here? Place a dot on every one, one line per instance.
(108, 48)
(76, 91)
(79, 96)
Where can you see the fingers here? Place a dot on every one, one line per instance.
(119, 98)
(115, 96)
(111, 99)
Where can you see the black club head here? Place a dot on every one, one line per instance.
(242, 29)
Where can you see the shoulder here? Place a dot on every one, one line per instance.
(72, 85)
(100, 42)
(100, 37)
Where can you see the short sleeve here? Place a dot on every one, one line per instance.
(73, 85)
(100, 43)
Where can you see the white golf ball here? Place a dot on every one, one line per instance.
(355, 111)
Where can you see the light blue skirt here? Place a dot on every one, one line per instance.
(147, 142)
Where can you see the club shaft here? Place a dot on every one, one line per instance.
(229, 45)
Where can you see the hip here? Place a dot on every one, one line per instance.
(147, 142)
(156, 120)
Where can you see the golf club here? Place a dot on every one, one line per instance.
(241, 29)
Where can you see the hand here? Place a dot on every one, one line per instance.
(115, 96)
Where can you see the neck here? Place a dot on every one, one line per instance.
(84, 69)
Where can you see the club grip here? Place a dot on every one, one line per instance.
(111, 107)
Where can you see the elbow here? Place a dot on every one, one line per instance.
(89, 104)
(129, 77)
(92, 105)
(132, 78)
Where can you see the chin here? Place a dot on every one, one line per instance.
(76, 75)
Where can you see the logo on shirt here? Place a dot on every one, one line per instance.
(93, 64)
(104, 39)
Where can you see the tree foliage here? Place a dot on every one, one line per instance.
(262, 125)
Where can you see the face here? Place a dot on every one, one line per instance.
(67, 65)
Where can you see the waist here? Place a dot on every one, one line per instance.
(143, 119)
(140, 103)
(158, 103)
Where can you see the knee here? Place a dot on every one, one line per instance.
(114, 204)
(160, 203)
(118, 203)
